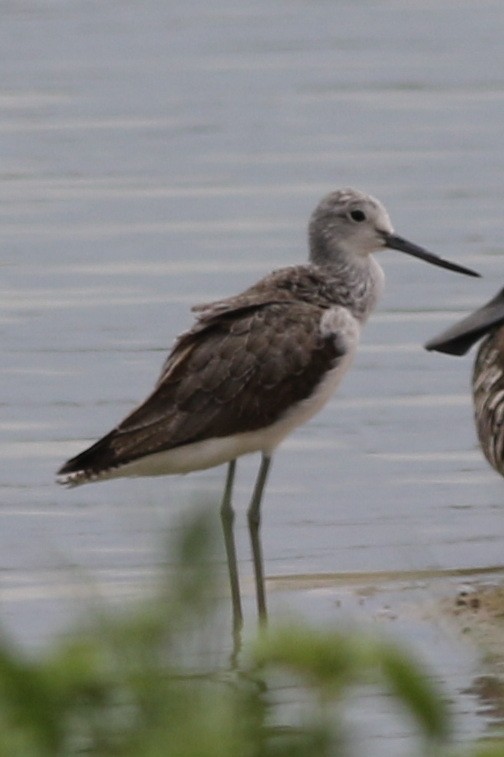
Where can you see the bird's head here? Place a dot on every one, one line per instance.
(350, 225)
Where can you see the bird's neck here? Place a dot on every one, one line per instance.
(355, 283)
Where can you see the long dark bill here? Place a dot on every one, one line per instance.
(458, 339)
(398, 243)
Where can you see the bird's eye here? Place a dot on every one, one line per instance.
(357, 215)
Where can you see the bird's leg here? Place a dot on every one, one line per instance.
(254, 520)
(227, 519)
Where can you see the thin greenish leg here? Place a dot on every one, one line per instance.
(227, 519)
(254, 520)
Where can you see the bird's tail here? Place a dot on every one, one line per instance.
(93, 463)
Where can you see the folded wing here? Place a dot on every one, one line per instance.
(238, 370)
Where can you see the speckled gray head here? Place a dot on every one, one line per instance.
(348, 224)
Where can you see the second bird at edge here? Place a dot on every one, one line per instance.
(487, 324)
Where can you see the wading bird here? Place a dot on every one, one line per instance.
(256, 365)
(486, 323)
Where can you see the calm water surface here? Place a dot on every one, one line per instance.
(160, 156)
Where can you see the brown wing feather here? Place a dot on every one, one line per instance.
(240, 372)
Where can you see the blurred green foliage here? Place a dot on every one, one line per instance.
(129, 686)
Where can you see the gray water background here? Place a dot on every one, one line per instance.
(159, 154)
